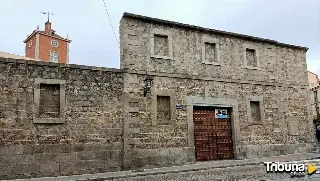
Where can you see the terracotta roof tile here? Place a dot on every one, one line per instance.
(47, 34)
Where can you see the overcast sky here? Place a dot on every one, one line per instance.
(93, 43)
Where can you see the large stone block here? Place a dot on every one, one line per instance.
(103, 155)
(5, 170)
(11, 150)
(86, 155)
(112, 163)
(33, 149)
(46, 158)
(67, 157)
(89, 165)
(68, 168)
(253, 151)
(49, 167)
(21, 169)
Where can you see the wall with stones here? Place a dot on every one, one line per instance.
(103, 122)
(278, 64)
(279, 82)
(90, 138)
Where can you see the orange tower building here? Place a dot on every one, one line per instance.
(47, 45)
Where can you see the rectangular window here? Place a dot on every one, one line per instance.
(49, 101)
(54, 57)
(163, 109)
(161, 45)
(251, 58)
(255, 110)
(210, 52)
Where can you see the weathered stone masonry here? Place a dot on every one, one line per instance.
(89, 136)
(60, 119)
(207, 67)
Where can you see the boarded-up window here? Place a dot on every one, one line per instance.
(163, 108)
(161, 45)
(49, 101)
(251, 58)
(255, 110)
(210, 52)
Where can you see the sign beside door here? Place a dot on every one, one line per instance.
(221, 113)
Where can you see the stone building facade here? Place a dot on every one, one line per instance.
(314, 86)
(195, 66)
(59, 119)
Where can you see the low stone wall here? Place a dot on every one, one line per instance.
(58, 159)
(84, 135)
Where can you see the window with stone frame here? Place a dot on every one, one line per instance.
(210, 52)
(255, 111)
(49, 101)
(161, 45)
(163, 109)
(251, 57)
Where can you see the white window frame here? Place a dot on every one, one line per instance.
(206, 39)
(54, 56)
(53, 44)
(30, 43)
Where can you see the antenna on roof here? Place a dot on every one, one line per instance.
(48, 13)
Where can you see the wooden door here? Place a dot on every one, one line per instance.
(212, 136)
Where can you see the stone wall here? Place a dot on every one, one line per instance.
(278, 80)
(277, 63)
(60, 119)
(87, 139)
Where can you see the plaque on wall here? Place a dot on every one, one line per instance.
(178, 106)
(221, 113)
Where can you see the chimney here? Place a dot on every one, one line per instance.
(48, 26)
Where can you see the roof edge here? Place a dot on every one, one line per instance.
(198, 28)
(29, 37)
(35, 32)
(312, 72)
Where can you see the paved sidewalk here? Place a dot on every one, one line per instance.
(250, 169)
